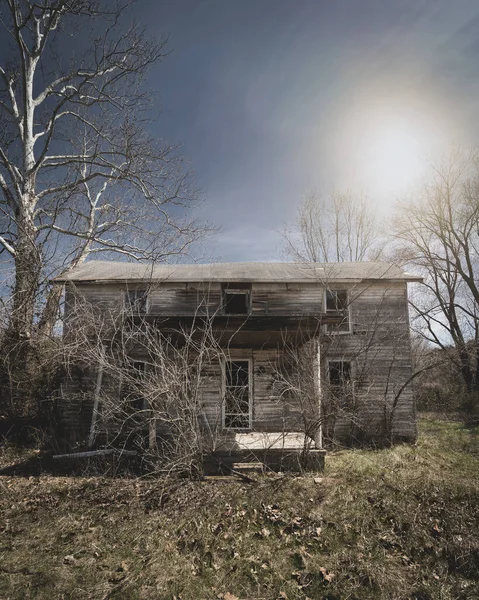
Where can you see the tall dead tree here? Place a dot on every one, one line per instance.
(338, 228)
(79, 174)
(439, 231)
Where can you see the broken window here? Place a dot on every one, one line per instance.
(339, 372)
(337, 301)
(237, 299)
(341, 385)
(136, 301)
(237, 400)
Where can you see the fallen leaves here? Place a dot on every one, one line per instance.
(69, 559)
(327, 576)
(264, 533)
(230, 543)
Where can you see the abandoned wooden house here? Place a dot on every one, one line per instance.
(295, 355)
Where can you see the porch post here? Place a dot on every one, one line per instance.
(96, 398)
(319, 432)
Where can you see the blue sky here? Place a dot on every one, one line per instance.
(271, 98)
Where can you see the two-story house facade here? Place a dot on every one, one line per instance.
(321, 348)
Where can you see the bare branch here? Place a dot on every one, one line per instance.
(7, 246)
(439, 232)
(79, 173)
(336, 229)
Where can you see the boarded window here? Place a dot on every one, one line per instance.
(237, 400)
(136, 301)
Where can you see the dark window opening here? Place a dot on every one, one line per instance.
(237, 301)
(337, 301)
(136, 301)
(237, 373)
(237, 401)
(138, 369)
(341, 385)
(339, 372)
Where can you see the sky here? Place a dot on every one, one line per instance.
(272, 98)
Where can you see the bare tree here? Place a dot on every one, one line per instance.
(439, 231)
(335, 229)
(139, 386)
(79, 175)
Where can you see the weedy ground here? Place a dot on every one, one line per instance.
(395, 524)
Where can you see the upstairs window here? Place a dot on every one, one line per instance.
(136, 301)
(236, 299)
(337, 301)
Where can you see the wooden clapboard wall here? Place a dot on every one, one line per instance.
(378, 347)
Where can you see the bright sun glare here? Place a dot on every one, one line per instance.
(384, 148)
(395, 155)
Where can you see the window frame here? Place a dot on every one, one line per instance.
(342, 361)
(345, 391)
(238, 290)
(333, 329)
(224, 362)
(133, 307)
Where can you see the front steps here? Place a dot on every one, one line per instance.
(271, 459)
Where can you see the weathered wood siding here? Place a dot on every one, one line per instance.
(378, 348)
(187, 299)
(380, 352)
(269, 413)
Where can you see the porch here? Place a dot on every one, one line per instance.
(273, 451)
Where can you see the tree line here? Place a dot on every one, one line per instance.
(434, 233)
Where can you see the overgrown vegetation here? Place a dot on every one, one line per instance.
(399, 523)
(80, 173)
(437, 231)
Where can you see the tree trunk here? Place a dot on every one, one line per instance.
(476, 357)
(466, 371)
(50, 312)
(17, 387)
(27, 277)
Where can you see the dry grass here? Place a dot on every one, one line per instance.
(389, 524)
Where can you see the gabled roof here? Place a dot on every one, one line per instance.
(273, 272)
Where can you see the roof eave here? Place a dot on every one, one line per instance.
(407, 279)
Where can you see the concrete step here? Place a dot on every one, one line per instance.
(248, 467)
